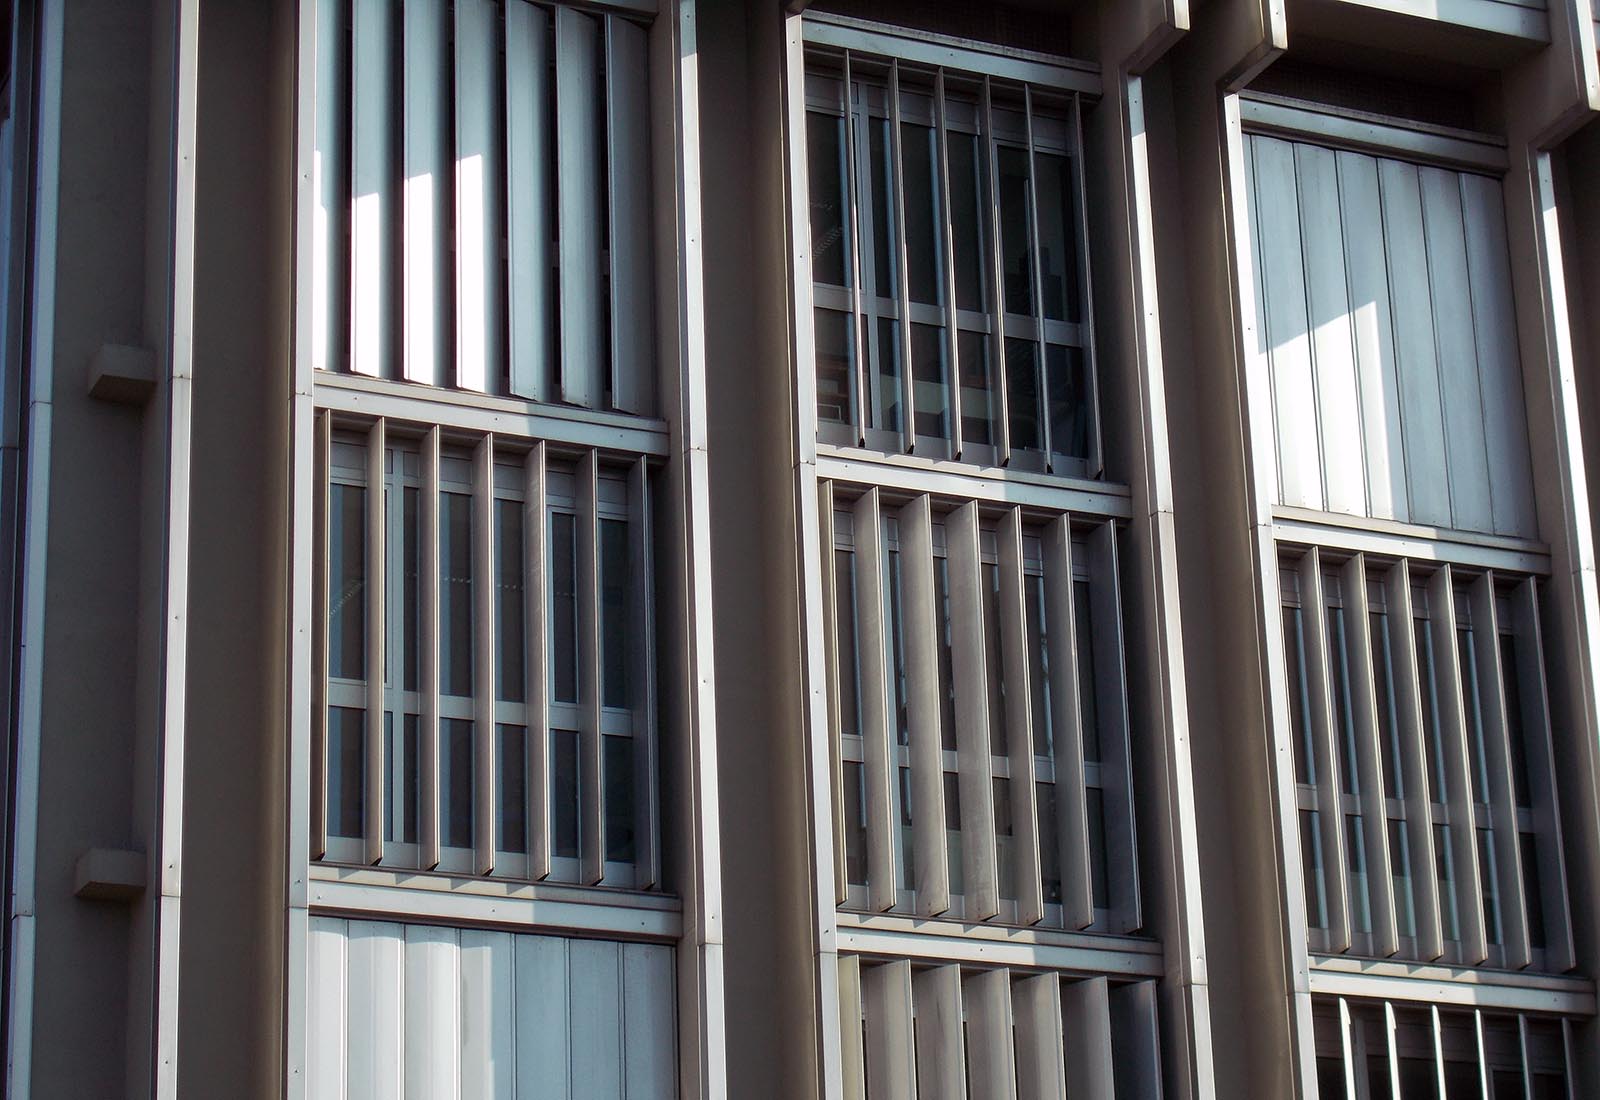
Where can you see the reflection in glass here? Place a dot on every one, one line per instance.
(1070, 407)
(508, 600)
(347, 584)
(563, 607)
(1022, 393)
(564, 778)
(836, 366)
(511, 786)
(346, 771)
(619, 799)
(455, 782)
(1015, 197)
(827, 185)
(615, 690)
(455, 594)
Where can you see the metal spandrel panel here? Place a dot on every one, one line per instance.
(330, 172)
(1041, 1064)
(632, 270)
(941, 1062)
(1287, 334)
(1470, 507)
(543, 990)
(427, 193)
(596, 1019)
(980, 883)
(326, 1012)
(431, 997)
(920, 635)
(578, 136)
(1332, 344)
(649, 1050)
(891, 1060)
(992, 1062)
(374, 179)
(376, 967)
(528, 146)
(852, 1052)
(488, 1006)
(480, 305)
(1086, 1019)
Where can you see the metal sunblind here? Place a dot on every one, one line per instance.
(373, 188)
(1040, 1049)
(1019, 718)
(483, 656)
(992, 1062)
(528, 198)
(1086, 1018)
(480, 267)
(535, 525)
(1066, 722)
(875, 712)
(429, 726)
(1313, 611)
(852, 1048)
(429, 279)
(628, 160)
(980, 877)
(830, 649)
(942, 1061)
(581, 215)
(891, 1049)
(921, 632)
(376, 634)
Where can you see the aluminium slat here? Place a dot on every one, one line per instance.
(578, 200)
(920, 639)
(486, 801)
(1086, 1020)
(1458, 769)
(1411, 309)
(863, 368)
(1042, 372)
(432, 1012)
(1560, 953)
(1392, 1042)
(1465, 450)
(1111, 690)
(543, 1049)
(428, 612)
(591, 804)
(980, 876)
(852, 1049)
(323, 448)
(1040, 1053)
(997, 306)
(1288, 328)
(1347, 1053)
(830, 649)
(1438, 1051)
(536, 680)
(952, 342)
(480, 286)
(375, 954)
(941, 1061)
(528, 199)
(632, 270)
(1338, 422)
(649, 1063)
(373, 182)
(488, 1003)
(1136, 1041)
(891, 1057)
(1522, 1050)
(1401, 617)
(596, 1019)
(1313, 610)
(1498, 763)
(877, 739)
(646, 768)
(1369, 756)
(427, 194)
(902, 289)
(327, 1018)
(1505, 425)
(991, 1061)
(1019, 718)
(372, 802)
(1367, 274)
(330, 180)
(1066, 724)
(1097, 454)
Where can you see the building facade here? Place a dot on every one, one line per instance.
(704, 548)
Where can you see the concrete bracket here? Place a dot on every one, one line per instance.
(109, 874)
(123, 375)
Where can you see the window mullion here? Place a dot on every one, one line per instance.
(1072, 814)
(1041, 374)
(535, 581)
(591, 810)
(981, 887)
(486, 799)
(428, 588)
(920, 639)
(647, 848)
(1364, 707)
(872, 647)
(854, 205)
(908, 399)
(997, 339)
(1405, 668)
(373, 808)
(1019, 718)
(323, 447)
(947, 239)
(1502, 796)
(1458, 768)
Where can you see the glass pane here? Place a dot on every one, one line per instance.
(1311, 867)
(1388, 718)
(410, 589)
(1488, 884)
(827, 184)
(952, 831)
(1532, 888)
(969, 218)
(1058, 256)
(1049, 842)
(1462, 1081)
(1429, 690)
(1467, 652)
(836, 366)
(411, 781)
(881, 181)
(1095, 804)
(1445, 861)
(511, 788)
(1400, 877)
(347, 770)
(615, 689)
(930, 385)
(455, 782)
(947, 696)
(919, 157)
(855, 823)
(347, 582)
(977, 388)
(1038, 666)
(886, 411)
(844, 617)
(400, 780)
(563, 607)
(564, 793)
(991, 649)
(1511, 682)
(1070, 408)
(1343, 712)
(1015, 216)
(619, 801)
(1004, 839)
(1305, 757)
(509, 670)
(455, 594)
(897, 650)
(1088, 694)
(1355, 851)
(1022, 391)
(908, 860)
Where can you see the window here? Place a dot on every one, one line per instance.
(482, 213)
(977, 681)
(487, 688)
(950, 283)
(1428, 811)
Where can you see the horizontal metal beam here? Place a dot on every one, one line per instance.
(993, 485)
(989, 945)
(1448, 985)
(1379, 135)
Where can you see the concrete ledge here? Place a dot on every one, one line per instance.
(109, 874)
(123, 375)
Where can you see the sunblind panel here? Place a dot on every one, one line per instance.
(482, 211)
(1371, 1048)
(413, 1010)
(1387, 323)
(486, 697)
(1428, 821)
(978, 711)
(913, 1031)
